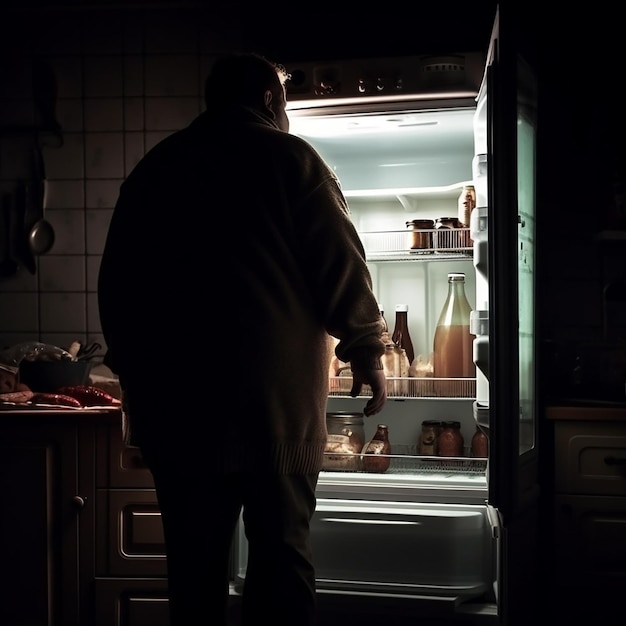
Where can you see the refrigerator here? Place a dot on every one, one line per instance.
(450, 537)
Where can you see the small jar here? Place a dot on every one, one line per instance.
(446, 232)
(450, 441)
(346, 437)
(480, 444)
(421, 235)
(427, 442)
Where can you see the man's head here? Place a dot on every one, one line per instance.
(248, 80)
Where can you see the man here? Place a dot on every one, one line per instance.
(230, 261)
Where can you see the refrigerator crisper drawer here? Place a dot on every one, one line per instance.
(399, 548)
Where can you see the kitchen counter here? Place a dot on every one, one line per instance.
(48, 411)
(576, 412)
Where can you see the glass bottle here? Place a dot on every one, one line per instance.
(453, 350)
(427, 443)
(450, 441)
(386, 338)
(401, 336)
(376, 452)
(480, 443)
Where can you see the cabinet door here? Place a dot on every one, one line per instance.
(41, 522)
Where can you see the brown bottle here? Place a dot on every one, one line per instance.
(401, 336)
(450, 441)
(376, 451)
(480, 444)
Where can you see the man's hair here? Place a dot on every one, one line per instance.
(242, 79)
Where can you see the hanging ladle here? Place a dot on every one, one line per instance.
(41, 235)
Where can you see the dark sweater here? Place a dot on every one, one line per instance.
(231, 249)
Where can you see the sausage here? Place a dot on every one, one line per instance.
(57, 399)
(89, 396)
(16, 397)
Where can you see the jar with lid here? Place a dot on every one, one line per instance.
(480, 443)
(453, 350)
(466, 204)
(427, 443)
(421, 235)
(450, 441)
(446, 233)
(345, 441)
(376, 452)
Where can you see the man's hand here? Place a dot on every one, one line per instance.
(375, 378)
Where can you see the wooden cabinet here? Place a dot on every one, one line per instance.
(46, 526)
(589, 511)
(131, 575)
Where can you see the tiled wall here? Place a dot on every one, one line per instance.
(124, 81)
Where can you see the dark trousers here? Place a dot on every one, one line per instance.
(200, 512)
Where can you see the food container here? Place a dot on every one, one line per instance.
(44, 376)
(421, 235)
(346, 438)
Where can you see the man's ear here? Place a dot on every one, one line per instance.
(267, 100)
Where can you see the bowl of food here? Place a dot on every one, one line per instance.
(46, 376)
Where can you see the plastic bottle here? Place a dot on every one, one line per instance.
(453, 342)
(376, 452)
(401, 336)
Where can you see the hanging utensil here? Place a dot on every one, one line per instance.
(40, 233)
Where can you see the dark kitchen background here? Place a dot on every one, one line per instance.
(113, 78)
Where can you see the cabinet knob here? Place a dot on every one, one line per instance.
(79, 501)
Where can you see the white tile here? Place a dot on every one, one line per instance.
(18, 312)
(63, 312)
(103, 76)
(69, 227)
(93, 268)
(171, 113)
(102, 194)
(66, 161)
(133, 114)
(134, 76)
(104, 153)
(70, 114)
(62, 273)
(133, 150)
(172, 75)
(104, 114)
(98, 221)
(65, 194)
(93, 315)
(68, 70)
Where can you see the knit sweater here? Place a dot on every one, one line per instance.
(231, 248)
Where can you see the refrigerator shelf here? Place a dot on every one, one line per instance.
(395, 245)
(405, 460)
(410, 387)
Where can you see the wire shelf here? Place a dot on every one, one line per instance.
(396, 245)
(410, 387)
(405, 460)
